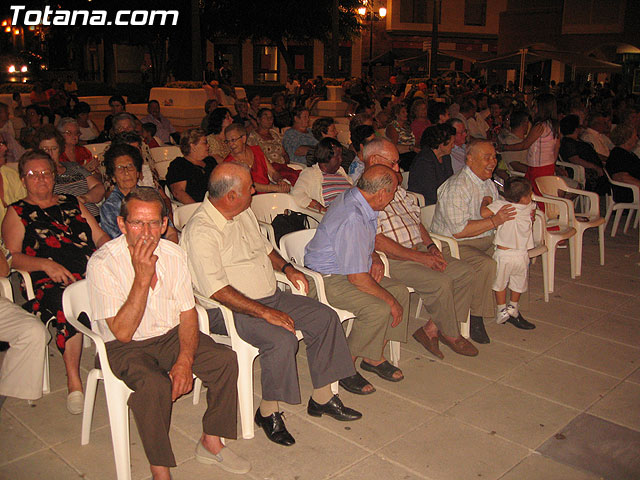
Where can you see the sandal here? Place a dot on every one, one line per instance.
(385, 370)
(356, 384)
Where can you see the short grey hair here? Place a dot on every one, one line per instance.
(219, 187)
(62, 124)
(377, 183)
(454, 121)
(120, 117)
(375, 146)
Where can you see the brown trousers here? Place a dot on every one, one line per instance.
(144, 366)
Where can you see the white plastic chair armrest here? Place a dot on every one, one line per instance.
(450, 241)
(594, 200)
(282, 279)
(565, 207)
(26, 278)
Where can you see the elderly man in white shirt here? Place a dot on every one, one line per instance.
(595, 134)
(143, 306)
(232, 263)
(458, 215)
(165, 131)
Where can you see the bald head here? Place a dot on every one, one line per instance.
(226, 177)
(380, 151)
(481, 158)
(378, 185)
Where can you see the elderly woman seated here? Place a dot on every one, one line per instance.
(52, 236)
(70, 178)
(320, 184)
(73, 152)
(188, 176)
(123, 164)
(262, 172)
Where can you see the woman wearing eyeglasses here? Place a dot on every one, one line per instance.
(52, 236)
(262, 172)
(123, 164)
(71, 178)
(73, 152)
(188, 176)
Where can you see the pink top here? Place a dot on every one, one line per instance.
(542, 152)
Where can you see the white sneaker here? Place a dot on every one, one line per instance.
(502, 316)
(75, 402)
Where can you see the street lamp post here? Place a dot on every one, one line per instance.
(368, 10)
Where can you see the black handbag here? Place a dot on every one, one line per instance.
(287, 222)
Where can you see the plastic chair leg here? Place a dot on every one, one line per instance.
(394, 353)
(575, 244)
(89, 402)
(609, 206)
(419, 309)
(616, 222)
(46, 385)
(545, 276)
(119, 422)
(465, 327)
(601, 241)
(551, 265)
(335, 388)
(245, 392)
(197, 388)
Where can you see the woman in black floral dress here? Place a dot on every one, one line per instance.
(52, 237)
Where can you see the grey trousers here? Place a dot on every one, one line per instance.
(478, 253)
(446, 295)
(372, 327)
(144, 366)
(327, 351)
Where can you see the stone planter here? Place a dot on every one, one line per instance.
(179, 97)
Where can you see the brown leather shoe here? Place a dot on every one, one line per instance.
(430, 344)
(460, 345)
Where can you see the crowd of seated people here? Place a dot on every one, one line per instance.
(61, 204)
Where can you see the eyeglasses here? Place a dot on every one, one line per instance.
(51, 149)
(39, 175)
(130, 167)
(73, 134)
(139, 224)
(233, 140)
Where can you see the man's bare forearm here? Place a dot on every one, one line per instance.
(395, 251)
(128, 318)
(475, 227)
(188, 335)
(236, 301)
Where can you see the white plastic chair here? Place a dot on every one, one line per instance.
(292, 247)
(75, 300)
(97, 149)
(5, 289)
(162, 158)
(183, 213)
(28, 286)
(418, 198)
(267, 206)
(405, 180)
(553, 237)
(620, 207)
(550, 187)
(246, 355)
(540, 250)
(426, 217)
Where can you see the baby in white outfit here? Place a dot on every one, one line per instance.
(513, 239)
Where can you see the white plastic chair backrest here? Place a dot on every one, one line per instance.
(165, 154)
(426, 215)
(551, 185)
(344, 137)
(292, 245)
(634, 188)
(539, 227)
(97, 148)
(267, 205)
(183, 213)
(162, 168)
(405, 180)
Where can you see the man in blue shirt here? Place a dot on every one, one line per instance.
(343, 250)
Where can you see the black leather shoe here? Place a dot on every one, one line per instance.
(520, 322)
(274, 427)
(476, 330)
(334, 408)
